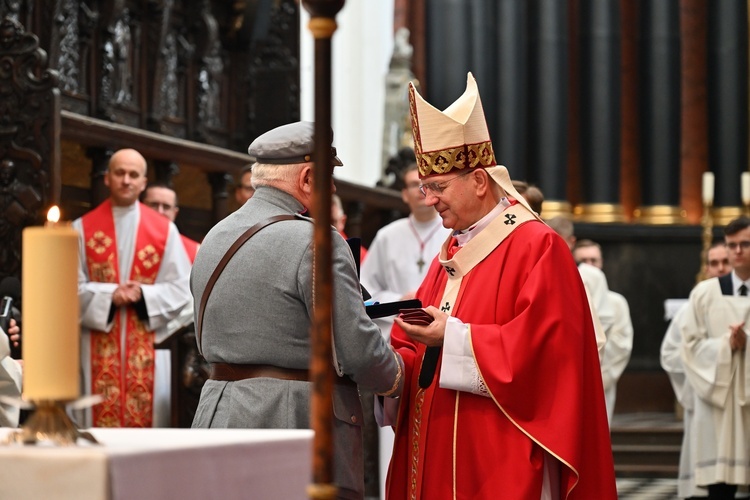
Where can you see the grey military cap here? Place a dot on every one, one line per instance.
(287, 144)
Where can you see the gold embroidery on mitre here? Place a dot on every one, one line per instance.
(461, 157)
(99, 242)
(414, 122)
(148, 256)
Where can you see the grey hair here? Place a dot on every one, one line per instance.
(265, 174)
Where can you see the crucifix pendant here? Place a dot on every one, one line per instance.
(420, 263)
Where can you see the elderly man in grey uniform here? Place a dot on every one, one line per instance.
(255, 328)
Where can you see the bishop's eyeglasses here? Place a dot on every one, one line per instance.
(437, 188)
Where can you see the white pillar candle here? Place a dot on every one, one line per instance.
(708, 188)
(745, 181)
(51, 346)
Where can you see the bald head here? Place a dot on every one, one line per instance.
(126, 177)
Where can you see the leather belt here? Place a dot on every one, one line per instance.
(231, 372)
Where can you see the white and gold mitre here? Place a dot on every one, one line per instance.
(454, 139)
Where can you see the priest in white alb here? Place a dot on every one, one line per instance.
(132, 279)
(715, 359)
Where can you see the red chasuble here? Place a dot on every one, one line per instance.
(123, 374)
(534, 346)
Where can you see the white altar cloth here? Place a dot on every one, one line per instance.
(163, 464)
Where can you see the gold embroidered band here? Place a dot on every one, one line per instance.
(461, 157)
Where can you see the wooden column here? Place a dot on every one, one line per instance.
(322, 25)
(411, 14)
(694, 123)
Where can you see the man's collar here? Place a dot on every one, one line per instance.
(463, 237)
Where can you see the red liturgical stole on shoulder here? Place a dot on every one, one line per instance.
(122, 370)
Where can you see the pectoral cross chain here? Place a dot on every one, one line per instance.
(421, 262)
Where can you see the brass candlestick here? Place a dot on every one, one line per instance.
(50, 424)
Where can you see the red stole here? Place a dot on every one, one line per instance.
(191, 247)
(123, 374)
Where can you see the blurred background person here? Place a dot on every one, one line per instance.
(619, 344)
(10, 375)
(714, 357)
(132, 280)
(717, 264)
(532, 194)
(163, 199)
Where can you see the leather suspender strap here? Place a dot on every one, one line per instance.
(223, 263)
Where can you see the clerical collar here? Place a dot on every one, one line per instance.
(119, 209)
(464, 236)
(737, 283)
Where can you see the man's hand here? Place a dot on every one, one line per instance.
(14, 333)
(737, 337)
(430, 335)
(134, 292)
(127, 294)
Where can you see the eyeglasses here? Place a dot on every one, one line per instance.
(156, 206)
(437, 188)
(733, 245)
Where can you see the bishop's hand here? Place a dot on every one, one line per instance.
(431, 334)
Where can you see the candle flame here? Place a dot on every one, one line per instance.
(54, 214)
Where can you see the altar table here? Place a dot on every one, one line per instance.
(162, 464)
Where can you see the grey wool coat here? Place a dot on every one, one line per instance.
(259, 312)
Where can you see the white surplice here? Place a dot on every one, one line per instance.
(617, 349)
(10, 382)
(671, 362)
(720, 379)
(164, 301)
(602, 310)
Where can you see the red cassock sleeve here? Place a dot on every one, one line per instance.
(534, 345)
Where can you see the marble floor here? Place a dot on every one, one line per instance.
(633, 488)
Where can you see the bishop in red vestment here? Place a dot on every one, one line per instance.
(515, 408)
